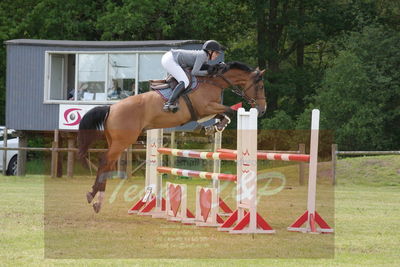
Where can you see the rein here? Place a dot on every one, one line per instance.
(235, 89)
(242, 93)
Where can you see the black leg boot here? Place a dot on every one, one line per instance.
(171, 104)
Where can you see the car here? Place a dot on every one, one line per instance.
(12, 155)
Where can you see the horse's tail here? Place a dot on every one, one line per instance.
(90, 128)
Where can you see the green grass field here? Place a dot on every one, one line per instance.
(46, 221)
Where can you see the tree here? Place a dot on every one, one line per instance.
(12, 13)
(135, 20)
(62, 20)
(284, 30)
(277, 131)
(360, 94)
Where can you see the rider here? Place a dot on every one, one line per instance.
(175, 60)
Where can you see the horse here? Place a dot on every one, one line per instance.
(124, 121)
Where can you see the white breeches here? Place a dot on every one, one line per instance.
(173, 68)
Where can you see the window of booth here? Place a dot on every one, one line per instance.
(57, 77)
(60, 75)
(99, 77)
(91, 77)
(122, 75)
(150, 64)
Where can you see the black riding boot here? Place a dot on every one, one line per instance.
(171, 104)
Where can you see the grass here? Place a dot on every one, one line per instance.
(374, 171)
(45, 222)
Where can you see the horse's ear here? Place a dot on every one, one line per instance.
(262, 72)
(257, 69)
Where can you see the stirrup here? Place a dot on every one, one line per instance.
(170, 107)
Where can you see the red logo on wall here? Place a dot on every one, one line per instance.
(72, 116)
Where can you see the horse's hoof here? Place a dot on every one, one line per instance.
(96, 207)
(89, 197)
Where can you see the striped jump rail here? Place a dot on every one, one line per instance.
(191, 173)
(273, 156)
(197, 154)
(229, 154)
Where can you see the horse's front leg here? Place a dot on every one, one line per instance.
(223, 121)
(224, 117)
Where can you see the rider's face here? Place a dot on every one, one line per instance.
(214, 55)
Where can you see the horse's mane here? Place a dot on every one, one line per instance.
(238, 65)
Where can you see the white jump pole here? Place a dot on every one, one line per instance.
(312, 180)
(311, 217)
(152, 203)
(246, 218)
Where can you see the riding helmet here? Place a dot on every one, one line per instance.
(212, 45)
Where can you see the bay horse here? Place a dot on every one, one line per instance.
(124, 121)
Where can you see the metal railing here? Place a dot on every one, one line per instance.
(336, 153)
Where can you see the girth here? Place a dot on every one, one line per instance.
(193, 115)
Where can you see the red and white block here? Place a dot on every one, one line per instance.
(176, 204)
(207, 207)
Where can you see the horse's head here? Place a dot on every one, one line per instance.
(254, 91)
(252, 84)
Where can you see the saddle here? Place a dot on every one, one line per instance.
(170, 81)
(165, 87)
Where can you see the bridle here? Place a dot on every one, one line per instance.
(242, 93)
